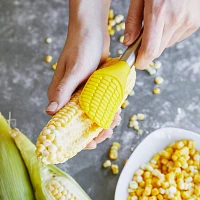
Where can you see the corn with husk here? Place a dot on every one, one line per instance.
(70, 130)
(14, 179)
(49, 182)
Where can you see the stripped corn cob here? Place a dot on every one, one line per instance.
(14, 180)
(49, 182)
(70, 130)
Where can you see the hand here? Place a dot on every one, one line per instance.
(87, 46)
(165, 23)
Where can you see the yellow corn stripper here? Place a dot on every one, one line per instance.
(103, 93)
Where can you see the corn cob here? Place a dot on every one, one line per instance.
(70, 130)
(49, 182)
(14, 179)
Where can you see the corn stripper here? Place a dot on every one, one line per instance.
(103, 93)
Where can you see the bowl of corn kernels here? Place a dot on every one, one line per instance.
(165, 165)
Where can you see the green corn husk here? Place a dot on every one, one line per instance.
(42, 176)
(14, 179)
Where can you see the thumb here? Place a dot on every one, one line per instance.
(62, 91)
(133, 21)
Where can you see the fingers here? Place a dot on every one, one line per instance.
(133, 21)
(105, 133)
(91, 145)
(151, 40)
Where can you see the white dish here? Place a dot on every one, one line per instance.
(151, 145)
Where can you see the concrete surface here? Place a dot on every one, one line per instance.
(24, 79)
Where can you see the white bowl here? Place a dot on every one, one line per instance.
(151, 145)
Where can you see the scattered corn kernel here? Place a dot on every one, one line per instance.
(54, 66)
(151, 71)
(118, 27)
(136, 127)
(156, 65)
(48, 59)
(115, 169)
(159, 80)
(119, 18)
(121, 38)
(112, 22)
(48, 40)
(140, 132)
(133, 118)
(156, 91)
(132, 149)
(119, 51)
(132, 93)
(111, 32)
(111, 14)
(122, 25)
(140, 116)
(125, 104)
(107, 164)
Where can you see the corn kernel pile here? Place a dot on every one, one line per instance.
(173, 173)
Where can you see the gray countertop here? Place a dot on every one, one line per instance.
(24, 79)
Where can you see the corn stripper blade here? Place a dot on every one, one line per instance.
(103, 93)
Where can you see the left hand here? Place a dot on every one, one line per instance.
(165, 23)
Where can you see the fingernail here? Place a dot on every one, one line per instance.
(52, 107)
(126, 38)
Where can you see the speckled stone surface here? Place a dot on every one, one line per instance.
(24, 79)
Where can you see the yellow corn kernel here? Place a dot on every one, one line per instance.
(115, 169)
(132, 194)
(48, 40)
(197, 190)
(169, 149)
(139, 191)
(185, 194)
(165, 154)
(54, 66)
(142, 184)
(107, 164)
(121, 38)
(179, 145)
(129, 198)
(156, 91)
(48, 58)
(122, 25)
(174, 157)
(185, 142)
(164, 168)
(160, 197)
(111, 14)
(144, 198)
(159, 80)
(154, 192)
(156, 157)
(148, 181)
(147, 175)
(178, 164)
(192, 152)
(147, 190)
(111, 32)
(125, 104)
(191, 144)
(190, 162)
(117, 144)
(165, 185)
(133, 118)
(113, 155)
(197, 178)
(164, 161)
(184, 151)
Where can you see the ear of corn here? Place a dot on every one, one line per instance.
(14, 180)
(49, 182)
(70, 130)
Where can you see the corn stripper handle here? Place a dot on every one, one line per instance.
(104, 92)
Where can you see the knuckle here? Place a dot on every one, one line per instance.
(60, 88)
(151, 53)
(131, 20)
